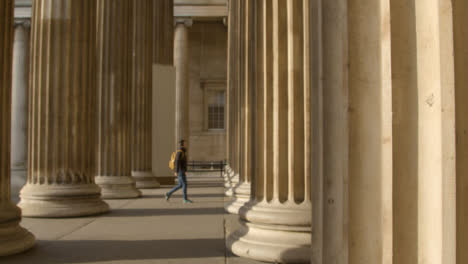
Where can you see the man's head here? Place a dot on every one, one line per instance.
(182, 143)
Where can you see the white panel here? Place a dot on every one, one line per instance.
(164, 142)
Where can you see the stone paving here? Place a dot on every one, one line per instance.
(144, 230)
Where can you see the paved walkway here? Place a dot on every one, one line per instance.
(144, 230)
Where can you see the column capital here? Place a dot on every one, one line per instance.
(24, 22)
(187, 21)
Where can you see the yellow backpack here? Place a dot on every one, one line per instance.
(172, 161)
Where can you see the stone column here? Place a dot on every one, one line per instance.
(181, 62)
(231, 60)
(114, 28)
(264, 83)
(19, 125)
(163, 32)
(13, 238)
(330, 130)
(62, 116)
(277, 227)
(370, 132)
(142, 87)
(424, 132)
(460, 21)
(240, 187)
(236, 43)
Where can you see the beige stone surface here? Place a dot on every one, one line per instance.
(329, 80)
(370, 134)
(146, 230)
(19, 105)
(424, 148)
(207, 72)
(142, 88)
(62, 113)
(461, 81)
(164, 110)
(436, 134)
(276, 227)
(114, 35)
(181, 64)
(13, 238)
(163, 32)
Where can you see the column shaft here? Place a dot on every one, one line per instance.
(163, 32)
(62, 116)
(114, 44)
(424, 144)
(436, 142)
(460, 8)
(370, 172)
(181, 62)
(329, 31)
(264, 64)
(141, 81)
(405, 132)
(19, 126)
(232, 81)
(278, 229)
(240, 186)
(13, 238)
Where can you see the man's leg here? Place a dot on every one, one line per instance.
(177, 187)
(184, 186)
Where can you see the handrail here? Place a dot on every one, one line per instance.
(195, 165)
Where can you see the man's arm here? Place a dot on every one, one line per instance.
(177, 161)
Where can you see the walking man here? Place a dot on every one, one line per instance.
(180, 170)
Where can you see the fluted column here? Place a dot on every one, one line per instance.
(181, 62)
(233, 87)
(424, 132)
(370, 120)
(114, 46)
(236, 44)
(62, 112)
(277, 226)
(19, 125)
(163, 32)
(240, 187)
(141, 81)
(460, 21)
(330, 130)
(13, 238)
(231, 60)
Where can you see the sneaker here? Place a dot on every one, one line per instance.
(167, 197)
(187, 201)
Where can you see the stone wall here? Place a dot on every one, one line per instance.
(208, 42)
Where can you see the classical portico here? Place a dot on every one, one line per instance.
(342, 125)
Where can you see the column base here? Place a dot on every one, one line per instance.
(13, 238)
(241, 194)
(274, 244)
(54, 200)
(145, 180)
(273, 232)
(231, 184)
(18, 180)
(117, 187)
(226, 172)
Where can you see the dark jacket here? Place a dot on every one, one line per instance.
(181, 160)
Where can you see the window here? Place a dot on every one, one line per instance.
(215, 104)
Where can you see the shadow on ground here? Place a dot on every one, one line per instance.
(164, 211)
(201, 195)
(83, 251)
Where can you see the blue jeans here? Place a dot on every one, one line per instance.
(182, 184)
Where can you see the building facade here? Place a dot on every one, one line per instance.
(345, 120)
